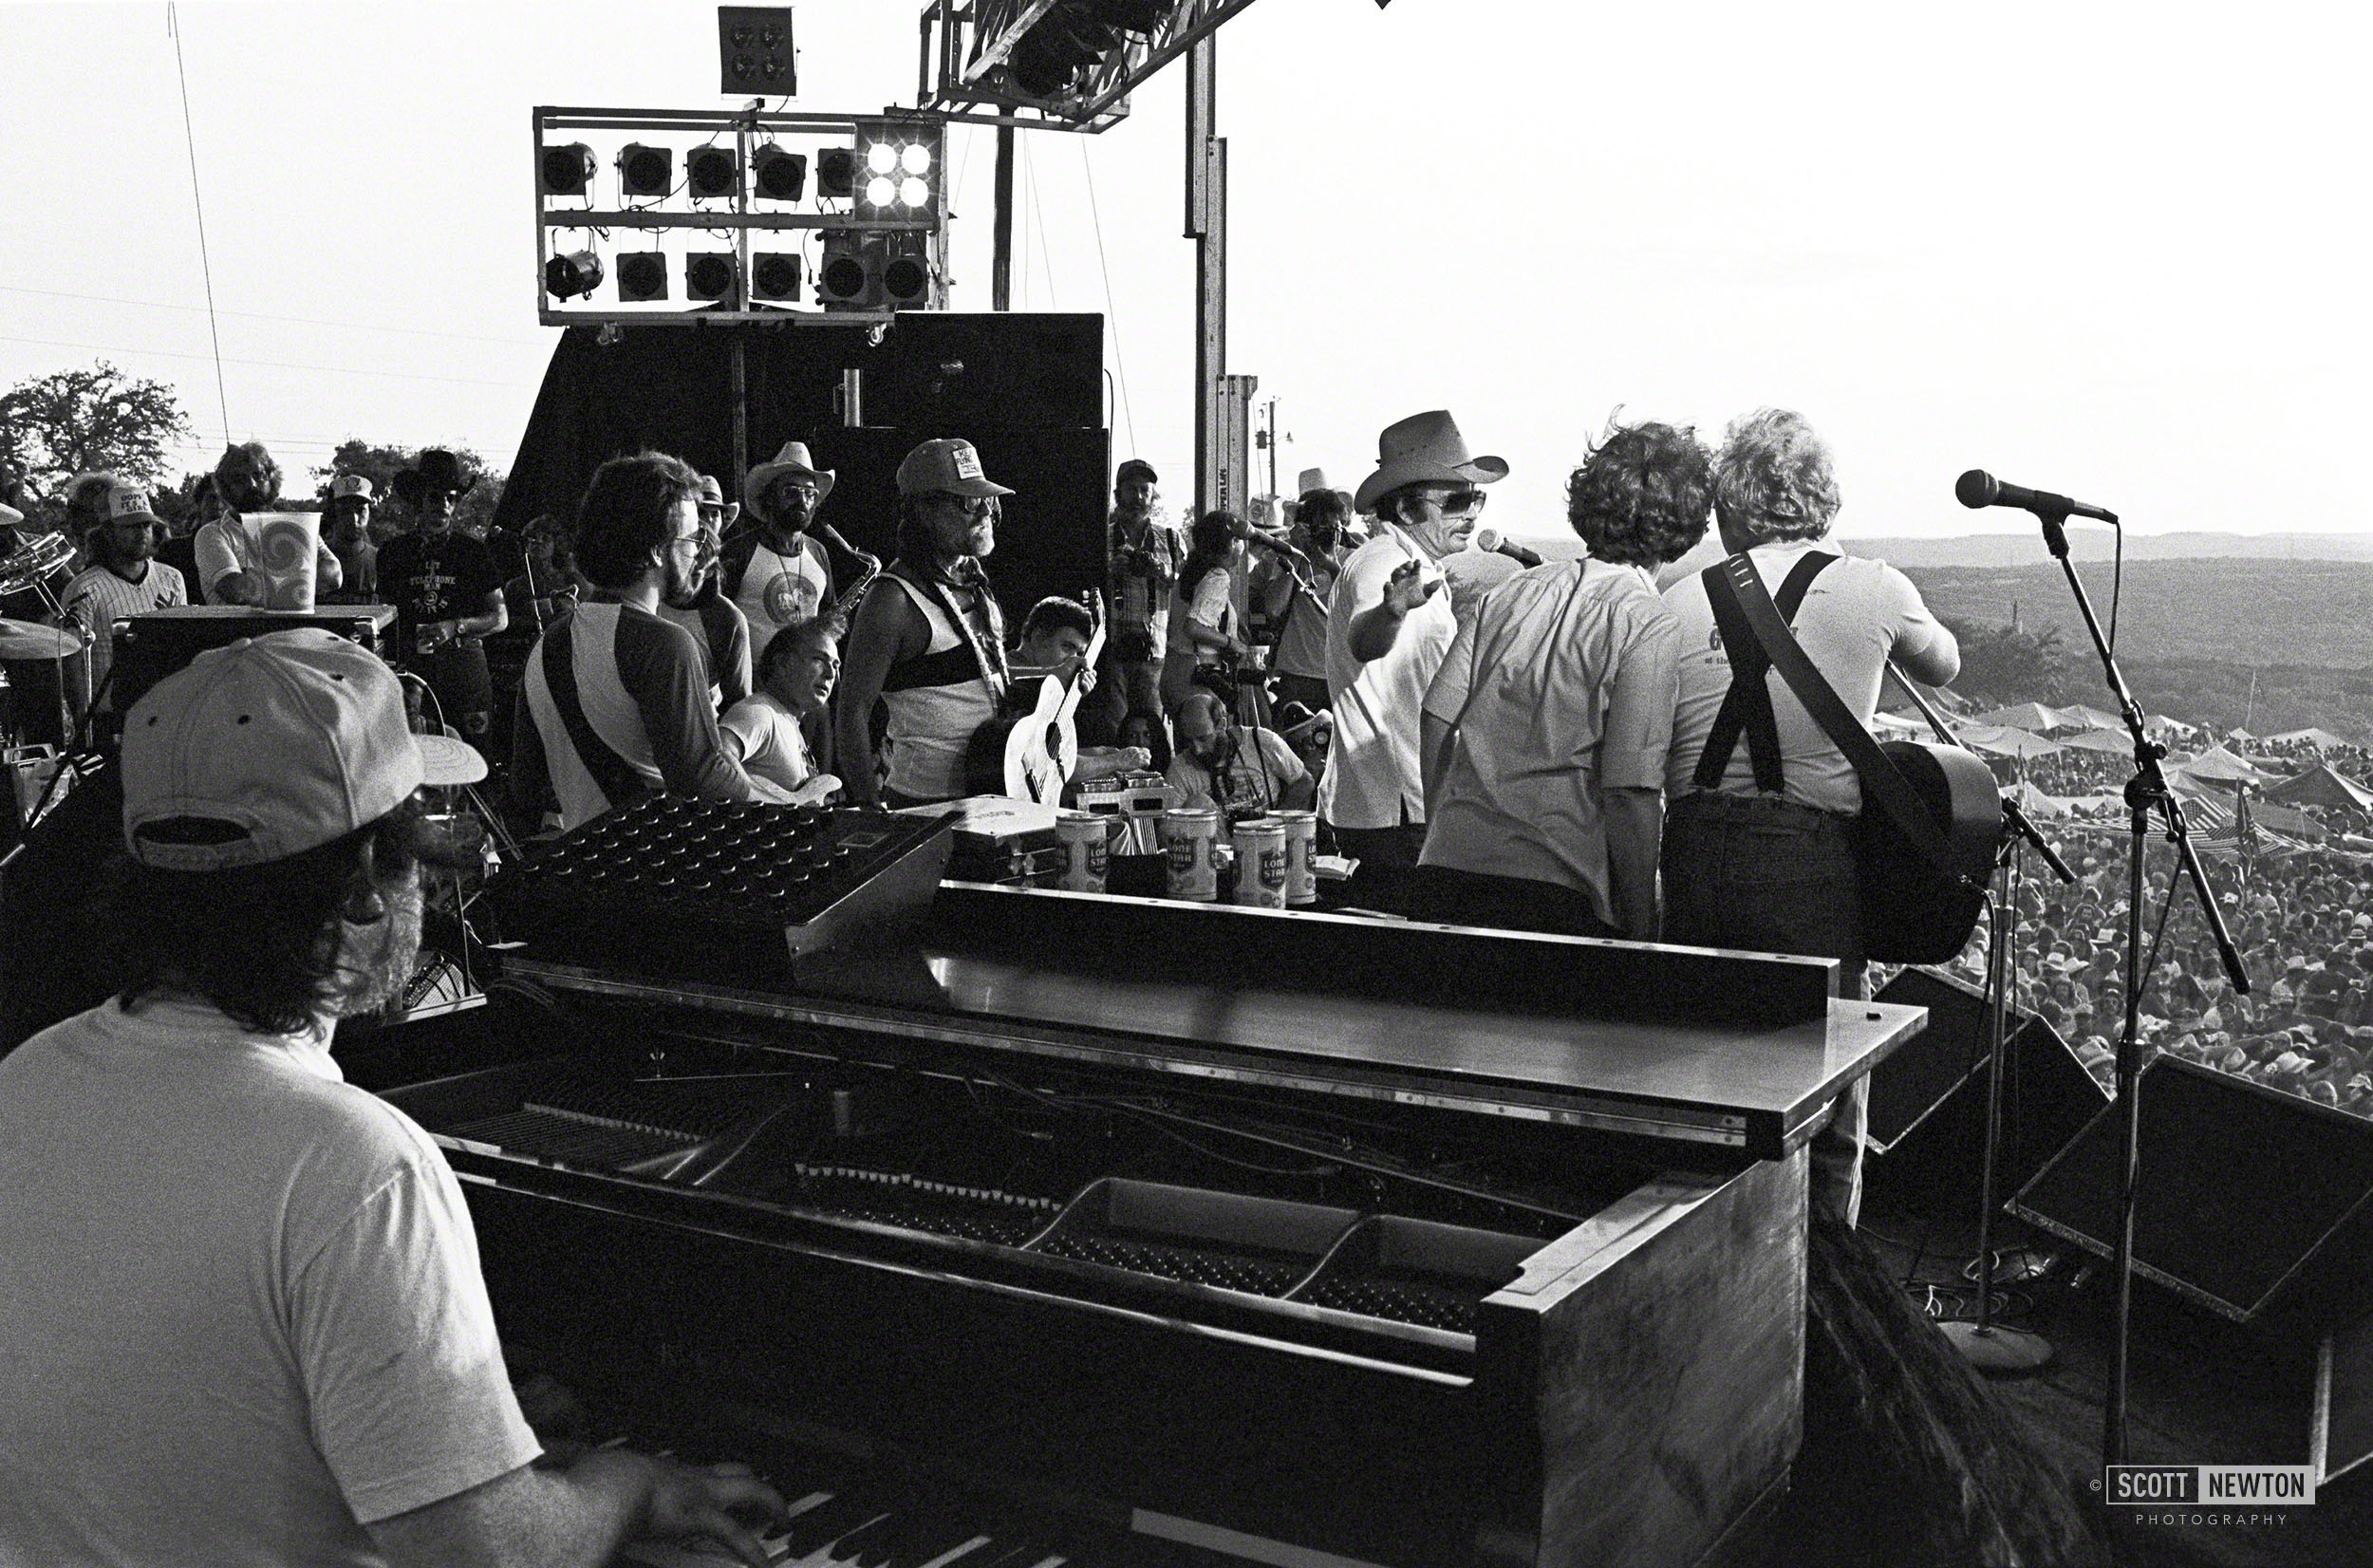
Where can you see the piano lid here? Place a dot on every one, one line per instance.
(1665, 1042)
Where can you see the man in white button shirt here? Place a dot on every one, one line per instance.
(1389, 624)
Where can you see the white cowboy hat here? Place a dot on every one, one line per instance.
(793, 460)
(1423, 449)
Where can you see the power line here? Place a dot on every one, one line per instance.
(206, 261)
(1046, 266)
(1119, 365)
(258, 315)
(268, 365)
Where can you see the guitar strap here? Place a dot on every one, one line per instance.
(619, 782)
(1748, 705)
(1737, 581)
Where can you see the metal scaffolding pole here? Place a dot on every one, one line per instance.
(1206, 224)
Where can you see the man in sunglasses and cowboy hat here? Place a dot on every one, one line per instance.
(1388, 625)
(777, 572)
(246, 1318)
(447, 588)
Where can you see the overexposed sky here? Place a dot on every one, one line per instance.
(2109, 250)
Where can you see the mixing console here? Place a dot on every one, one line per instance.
(705, 889)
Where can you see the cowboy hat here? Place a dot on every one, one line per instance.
(1423, 449)
(792, 459)
(435, 469)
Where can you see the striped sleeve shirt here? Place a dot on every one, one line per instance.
(98, 597)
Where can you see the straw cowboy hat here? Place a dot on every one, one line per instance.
(436, 470)
(1423, 449)
(793, 460)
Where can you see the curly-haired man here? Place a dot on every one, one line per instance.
(1547, 729)
(1767, 862)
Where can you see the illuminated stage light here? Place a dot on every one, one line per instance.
(916, 158)
(645, 171)
(569, 276)
(708, 275)
(568, 171)
(779, 176)
(907, 153)
(774, 276)
(881, 158)
(880, 192)
(642, 275)
(914, 193)
(713, 174)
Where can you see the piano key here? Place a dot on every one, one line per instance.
(821, 1526)
(861, 1548)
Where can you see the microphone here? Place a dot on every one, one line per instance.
(1491, 541)
(1978, 489)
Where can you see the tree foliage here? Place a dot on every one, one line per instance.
(381, 464)
(2004, 663)
(74, 422)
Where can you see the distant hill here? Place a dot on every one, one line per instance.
(2087, 543)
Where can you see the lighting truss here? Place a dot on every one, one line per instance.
(967, 46)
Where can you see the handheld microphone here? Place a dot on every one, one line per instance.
(1978, 489)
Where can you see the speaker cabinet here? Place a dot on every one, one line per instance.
(1928, 1101)
(942, 374)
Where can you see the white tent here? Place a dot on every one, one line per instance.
(2026, 716)
(2322, 740)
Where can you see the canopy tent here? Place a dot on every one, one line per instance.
(2111, 742)
(2092, 718)
(1897, 724)
(2026, 716)
(2320, 786)
(2290, 824)
(2322, 740)
(2159, 725)
(2220, 766)
(2237, 733)
(2035, 802)
(2002, 740)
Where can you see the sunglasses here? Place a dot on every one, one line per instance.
(984, 506)
(1459, 501)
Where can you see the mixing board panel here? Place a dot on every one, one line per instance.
(711, 890)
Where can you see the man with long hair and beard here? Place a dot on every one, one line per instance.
(244, 1320)
(615, 703)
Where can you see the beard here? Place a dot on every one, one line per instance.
(680, 589)
(375, 961)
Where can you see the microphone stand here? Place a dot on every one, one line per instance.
(2147, 791)
(1987, 1346)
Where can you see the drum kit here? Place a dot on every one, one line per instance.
(31, 569)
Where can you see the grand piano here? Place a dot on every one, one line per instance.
(1171, 1233)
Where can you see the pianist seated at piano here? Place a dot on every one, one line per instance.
(244, 1315)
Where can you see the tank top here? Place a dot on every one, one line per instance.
(939, 698)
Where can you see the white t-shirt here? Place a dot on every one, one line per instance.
(777, 590)
(1262, 770)
(1859, 612)
(240, 1305)
(1372, 779)
(768, 733)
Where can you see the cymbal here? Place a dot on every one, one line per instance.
(31, 640)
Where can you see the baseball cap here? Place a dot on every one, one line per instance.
(280, 744)
(354, 487)
(126, 502)
(1135, 468)
(948, 466)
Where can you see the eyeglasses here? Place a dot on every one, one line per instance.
(1458, 502)
(972, 507)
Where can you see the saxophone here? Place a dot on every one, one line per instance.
(844, 608)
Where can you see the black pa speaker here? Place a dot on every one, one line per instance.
(942, 374)
(2251, 1199)
(1928, 1101)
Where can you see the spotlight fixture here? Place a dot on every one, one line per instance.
(850, 278)
(901, 160)
(642, 275)
(569, 276)
(754, 50)
(568, 171)
(713, 173)
(779, 176)
(1048, 60)
(836, 171)
(645, 171)
(905, 272)
(775, 274)
(708, 275)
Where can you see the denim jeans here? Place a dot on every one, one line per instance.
(1756, 872)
